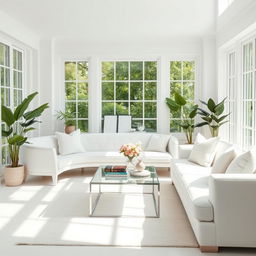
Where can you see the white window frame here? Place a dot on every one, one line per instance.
(129, 60)
(12, 47)
(197, 91)
(76, 81)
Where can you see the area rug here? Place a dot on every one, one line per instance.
(59, 215)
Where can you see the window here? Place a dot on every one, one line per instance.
(182, 80)
(248, 94)
(130, 88)
(231, 100)
(76, 88)
(11, 83)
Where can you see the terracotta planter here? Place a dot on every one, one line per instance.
(69, 129)
(14, 176)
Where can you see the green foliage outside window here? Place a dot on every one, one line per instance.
(76, 88)
(182, 81)
(130, 87)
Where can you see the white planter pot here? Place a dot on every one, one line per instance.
(14, 176)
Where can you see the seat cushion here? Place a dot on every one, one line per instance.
(191, 180)
(109, 157)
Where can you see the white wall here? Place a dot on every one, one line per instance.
(236, 21)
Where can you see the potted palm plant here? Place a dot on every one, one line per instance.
(17, 125)
(70, 124)
(188, 119)
(214, 118)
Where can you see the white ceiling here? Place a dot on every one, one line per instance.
(106, 20)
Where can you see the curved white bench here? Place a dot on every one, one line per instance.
(42, 158)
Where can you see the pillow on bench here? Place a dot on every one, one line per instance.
(158, 143)
(69, 143)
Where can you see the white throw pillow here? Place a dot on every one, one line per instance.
(223, 161)
(244, 163)
(203, 153)
(158, 142)
(69, 143)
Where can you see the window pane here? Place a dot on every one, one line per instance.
(121, 91)
(150, 109)
(70, 91)
(136, 90)
(107, 70)
(107, 91)
(82, 70)
(4, 55)
(83, 125)
(150, 70)
(175, 87)
(150, 125)
(107, 108)
(188, 91)
(70, 71)
(137, 109)
(82, 91)
(188, 70)
(17, 60)
(122, 108)
(82, 109)
(121, 70)
(150, 91)
(136, 70)
(175, 70)
(136, 123)
(71, 109)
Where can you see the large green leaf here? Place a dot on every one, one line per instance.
(36, 112)
(211, 104)
(28, 129)
(173, 106)
(219, 109)
(193, 113)
(7, 116)
(179, 99)
(15, 139)
(30, 122)
(19, 111)
(222, 118)
(6, 133)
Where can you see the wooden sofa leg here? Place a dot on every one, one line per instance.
(209, 248)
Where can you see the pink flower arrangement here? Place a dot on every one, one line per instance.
(131, 150)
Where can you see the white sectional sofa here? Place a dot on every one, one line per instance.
(42, 157)
(221, 207)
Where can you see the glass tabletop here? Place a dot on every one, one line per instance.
(100, 178)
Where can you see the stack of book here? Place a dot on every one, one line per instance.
(115, 171)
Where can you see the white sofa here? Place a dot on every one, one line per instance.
(221, 207)
(41, 156)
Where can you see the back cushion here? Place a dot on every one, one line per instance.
(112, 141)
(222, 147)
(45, 142)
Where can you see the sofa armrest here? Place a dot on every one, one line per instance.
(40, 160)
(173, 146)
(233, 198)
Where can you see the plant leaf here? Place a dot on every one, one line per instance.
(173, 106)
(201, 124)
(28, 129)
(211, 104)
(193, 113)
(222, 123)
(222, 118)
(36, 112)
(219, 109)
(15, 139)
(179, 99)
(19, 111)
(7, 133)
(203, 102)
(7, 116)
(30, 122)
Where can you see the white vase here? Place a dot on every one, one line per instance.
(140, 166)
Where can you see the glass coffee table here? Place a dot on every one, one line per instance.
(99, 179)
